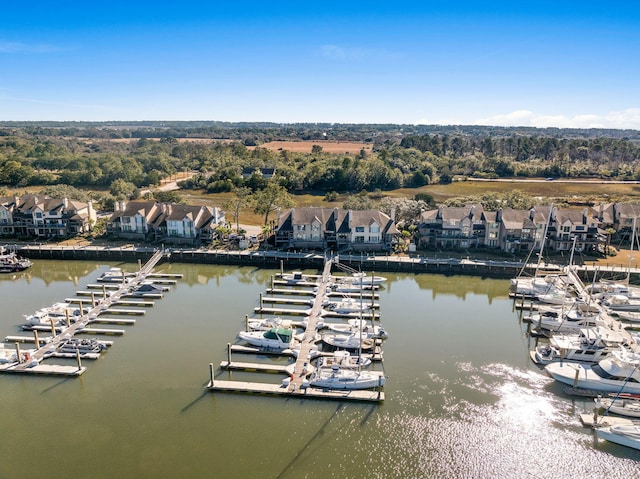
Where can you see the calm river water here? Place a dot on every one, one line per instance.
(463, 399)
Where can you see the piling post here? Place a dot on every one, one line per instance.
(260, 301)
(575, 379)
(53, 327)
(211, 374)
(66, 318)
(37, 340)
(281, 267)
(246, 322)
(93, 299)
(139, 265)
(272, 282)
(104, 292)
(78, 359)
(18, 353)
(228, 354)
(81, 309)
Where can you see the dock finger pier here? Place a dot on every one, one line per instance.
(320, 337)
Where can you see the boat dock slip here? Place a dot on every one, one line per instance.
(298, 384)
(123, 321)
(121, 302)
(333, 294)
(265, 368)
(135, 312)
(60, 341)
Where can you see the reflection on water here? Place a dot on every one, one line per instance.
(463, 398)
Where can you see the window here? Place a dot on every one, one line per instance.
(359, 229)
(358, 239)
(374, 229)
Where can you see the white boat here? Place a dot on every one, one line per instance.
(623, 434)
(295, 277)
(10, 262)
(604, 290)
(146, 289)
(114, 275)
(344, 359)
(8, 355)
(274, 338)
(354, 326)
(347, 305)
(61, 310)
(624, 406)
(351, 342)
(589, 345)
(366, 280)
(632, 316)
(618, 372)
(268, 323)
(532, 287)
(572, 320)
(335, 377)
(620, 302)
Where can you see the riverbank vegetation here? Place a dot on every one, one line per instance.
(433, 164)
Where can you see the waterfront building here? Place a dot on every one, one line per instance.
(335, 229)
(39, 216)
(166, 222)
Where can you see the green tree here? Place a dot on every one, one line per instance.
(270, 199)
(123, 190)
(240, 199)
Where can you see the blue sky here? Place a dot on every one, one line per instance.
(564, 64)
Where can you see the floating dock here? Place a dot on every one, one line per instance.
(56, 345)
(297, 385)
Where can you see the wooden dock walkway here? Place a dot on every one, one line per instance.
(297, 386)
(43, 349)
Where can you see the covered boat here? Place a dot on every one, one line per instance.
(350, 342)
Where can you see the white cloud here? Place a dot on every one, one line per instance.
(625, 119)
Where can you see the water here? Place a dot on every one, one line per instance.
(463, 400)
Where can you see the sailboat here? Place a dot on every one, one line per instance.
(342, 375)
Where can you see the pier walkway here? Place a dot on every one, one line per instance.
(297, 386)
(33, 364)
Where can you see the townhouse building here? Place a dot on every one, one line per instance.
(335, 229)
(39, 216)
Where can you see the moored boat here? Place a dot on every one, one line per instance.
(12, 263)
(274, 338)
(623, 434)
(618, 372)
(335, 377)
(622, 405)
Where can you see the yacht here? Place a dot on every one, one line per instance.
(618, 372)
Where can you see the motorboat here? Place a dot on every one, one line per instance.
(621, 404)
(335, 377)
(146, 289)
(572, 320)
(618, 372)
(60, 311)
(347, 305)
(114, 275)
(623, 434)
(295, 277)
(12, 263)
(631, 316)
(82, 346)
(604, 290)
(556, 297)
(366, 280)
(354, 326)
(589, 345)
(344, 359)
(268, 323)
(274, 338)
(350, 342)
(531, 287)
(8, 355)
(621, 302)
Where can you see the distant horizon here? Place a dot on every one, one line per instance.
(276, 123)
(543, 64)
